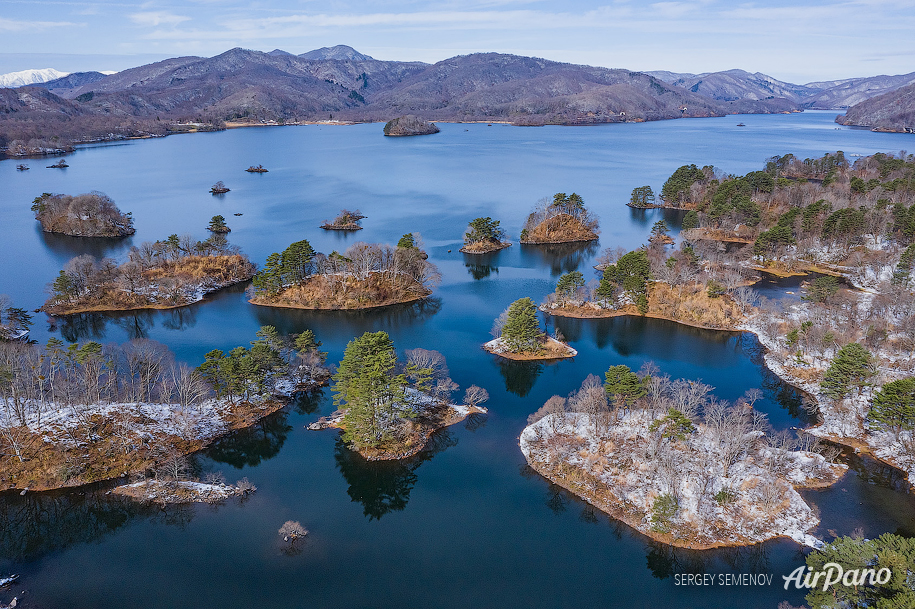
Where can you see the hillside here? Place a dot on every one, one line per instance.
(847, 93)
(29, 77)
(893, 111)
(733, 85)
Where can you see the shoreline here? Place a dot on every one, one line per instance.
(255, 302)
(495, 248)
(550, 344)
(608, 313)
(454, 414)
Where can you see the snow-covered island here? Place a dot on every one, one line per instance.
(654, 463)
(88, 413)
(183, 491)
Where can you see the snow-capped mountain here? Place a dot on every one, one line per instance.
(29, 77)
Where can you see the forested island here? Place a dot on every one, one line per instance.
(346, 221)
(366, 275)
(677, 465)
(484, 235)
(847, 342)
(564, 219)
(518, 335)
(409, 125)
(80, 413)
(88, 215)
(157, 275)
(389, 410)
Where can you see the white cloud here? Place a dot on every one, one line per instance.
(12, 25)
(157, 18)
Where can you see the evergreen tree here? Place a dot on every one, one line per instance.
(623, 386)
(569, 283)
(407, 241)
(643, 196)
(851, 367)
(690, 220)
(218, 225)
(676, 189)
(483, 229)
(893, 406)
(367, 385)
(821, 288)
(521, 331)
(888, 551)
(631, 272)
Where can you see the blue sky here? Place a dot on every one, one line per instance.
(798, 42)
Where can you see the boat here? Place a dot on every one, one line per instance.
(741, 125)
(237, 214)
(22, 167)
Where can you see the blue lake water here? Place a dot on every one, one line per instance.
(465, 522)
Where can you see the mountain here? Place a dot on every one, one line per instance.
(279, 52)
(846, 93)
(29, 77)
(893, 111)
(64, 85)
(341, 52)
(733, 85)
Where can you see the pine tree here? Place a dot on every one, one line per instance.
(643, 196)
(218, 225)
(367, 385)
(407, 241)
(894, 405)
(851, 367)
(521, 331)
(569, 283)
(623, 386)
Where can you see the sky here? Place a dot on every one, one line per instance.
(797, 42)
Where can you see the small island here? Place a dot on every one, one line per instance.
(22, 167)
(256, 169)
(219, 188)
(388, 410)
(519, 337)
(346, 221)
(165, 491)
(677, 465)
(409, 125)
(564, 219)
(106, 412)
(218, 225)
(89, 215)
(61, 164)
(364, 276)
(483, 235)
(166, 274)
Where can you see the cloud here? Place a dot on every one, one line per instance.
(157, 18)
(12, 25)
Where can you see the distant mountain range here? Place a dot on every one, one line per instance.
(29, 77)
(342, 83)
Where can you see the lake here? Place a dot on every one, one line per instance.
(465, 523)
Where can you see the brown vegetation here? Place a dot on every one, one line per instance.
(346, 220)
(551, 349)
(156, 276)
(347, 292)
(89, 215)
(484, 247)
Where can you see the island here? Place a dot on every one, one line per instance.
(346, 221)
(219, 188)
(165, 274)
(218, 225)
(256, 169)
(409, 125)
(388, 410)
(519, 337)
(88, 215)
(114, 411)
(564, 219)
(61, 164)
(677, 465)
(483, 236)
(365, 275)
(847, 342)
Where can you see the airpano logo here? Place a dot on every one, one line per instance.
(833, 574)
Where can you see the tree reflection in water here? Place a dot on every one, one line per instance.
(37, 524)
(481, 266)
(249, 446)
(136, 324)
(664, 560)
(385, 486)
(560, 257)
(519, 376)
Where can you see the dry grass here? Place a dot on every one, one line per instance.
(484, 247)
(551, 349)
(222, 270)
(716, 234)
(334, 292)
(562, 228)
(92, 451)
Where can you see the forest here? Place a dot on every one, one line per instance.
(89, 215)
(364, 275)
(173, 272)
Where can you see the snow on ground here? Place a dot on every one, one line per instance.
(177, 491)
(624, 470)
(498, 345)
